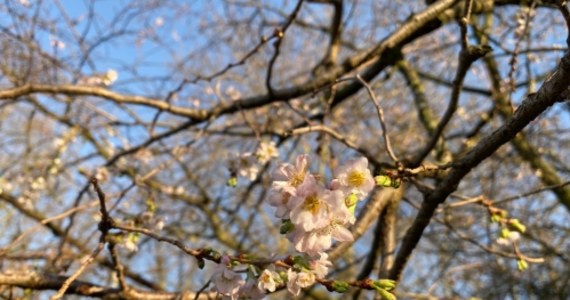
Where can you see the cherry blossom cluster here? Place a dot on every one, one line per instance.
(231, 284)
(313, 215)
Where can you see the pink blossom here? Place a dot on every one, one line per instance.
(226, 281)
(267, 280)
(354, 177)
(286, 180)
(280, 200)
(321, 266)
(289, 177)
(251, 291)
(317, 241)
(313, 206)
(297, 281)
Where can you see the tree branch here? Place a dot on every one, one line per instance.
(532, 107)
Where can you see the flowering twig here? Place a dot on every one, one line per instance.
(522, 32)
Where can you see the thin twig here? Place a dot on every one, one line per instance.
(264, 40)
(333, 133)
(119, 268)
(380, 112)
(104, 226)
(44, 222)
(202, 289)
(466, 58)
(464, 22)
(563, 7)
(539, 190)
(86, 262)
(280, 33)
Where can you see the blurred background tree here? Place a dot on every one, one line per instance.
(157, 100)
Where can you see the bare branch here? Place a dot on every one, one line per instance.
(531, 107)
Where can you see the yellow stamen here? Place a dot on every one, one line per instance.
(297, 179)
(312, 204)
(355, 178)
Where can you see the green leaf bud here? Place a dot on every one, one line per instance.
(340, 286)
(286, 226)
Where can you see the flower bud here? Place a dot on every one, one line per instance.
(516, 225)
(340, 286)
(522, 265)
(386, 284)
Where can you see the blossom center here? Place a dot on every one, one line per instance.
(297, 179)
(355, 178)
(265, 278)
(312, 204)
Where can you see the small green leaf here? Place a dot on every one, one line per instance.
(522, 265)
(301, 262)
(383, 180)
(232, 182)
(516, 225)
(150, 205)
(214, 254)
(396, 183)
(385, 294)
(134, 237)
(505, 232)
(351, 200)
(286, 226)
(495, 218)
(201, 262)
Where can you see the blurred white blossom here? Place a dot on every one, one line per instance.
(251, 291)
(5, 185)
(130, 245)
(158, 22)
(56, 43)
(513, 236)
(104, 79)
(267, 280)
(266, 151)
(296, 281)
